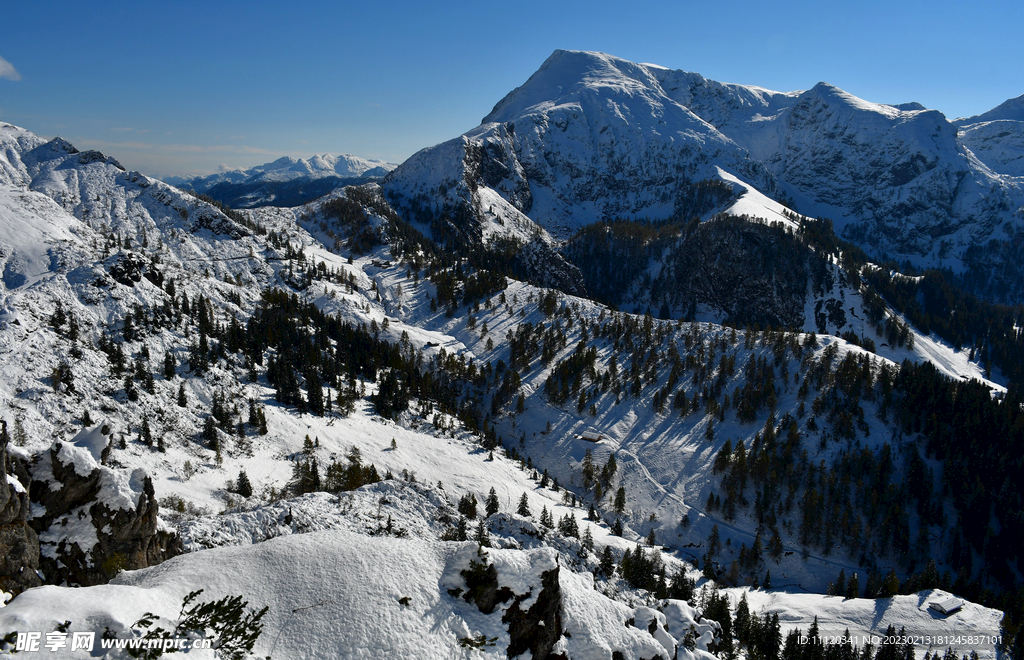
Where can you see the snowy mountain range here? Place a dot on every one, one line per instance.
(288, 168)
(349, 413)
(286, 181)
(590, 137)
(996, 137)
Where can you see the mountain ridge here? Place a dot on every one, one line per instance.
(592, 137)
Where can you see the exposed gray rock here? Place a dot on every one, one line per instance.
(19, 543)
(538, 628)
(89, 527)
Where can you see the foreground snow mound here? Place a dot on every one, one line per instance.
(972, 628)
(338, 594)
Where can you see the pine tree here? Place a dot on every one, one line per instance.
(147, 434)
(568, 526)
(620, 500)
(587, 543)
(524, 506)
(545, 518)
(714, 541)
(838, 588)
(891, 585)
(467, 505)
(243, 486)
(607, 563)
(588, 470)
(315, 393)
(853, 587)
(182, 402)
(491, 504)
(210, 433)
(170, 366)
(482, 537)
(742, 620)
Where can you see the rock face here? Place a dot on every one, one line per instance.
(543, 266)
(19, 543)
(534, 620)
(537, 628)
(89, 521)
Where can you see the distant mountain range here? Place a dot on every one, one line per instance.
(286, 181)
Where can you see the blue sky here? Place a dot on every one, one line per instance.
(189, 87)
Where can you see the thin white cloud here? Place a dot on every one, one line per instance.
(8, 71)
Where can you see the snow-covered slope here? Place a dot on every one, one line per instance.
(144, 271)
(998, 143)
(996, 137)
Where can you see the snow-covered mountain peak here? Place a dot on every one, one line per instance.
(996, 137)
(566, 74)
(1012, 109)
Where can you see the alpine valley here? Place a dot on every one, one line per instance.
(644, 366)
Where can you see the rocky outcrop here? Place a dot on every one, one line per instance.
(19, 543)
(538, 627)
(91, 521)
(535, 620)
(541, 264)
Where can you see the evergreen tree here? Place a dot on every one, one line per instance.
(681, 586)
(568, 526)
(182, 402)
(482, 537)
(170, 366)
(467, 505)
(524, 506)
(243, 486)
(545, 518)
(620, 500)
(891, 585)
(607, 563)
(210, 433)
(315, 393)
(714, 541)
(491, 504)
(742, 620)
(617, 527)
(853, 587)
(588, 469)
(587, 543)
